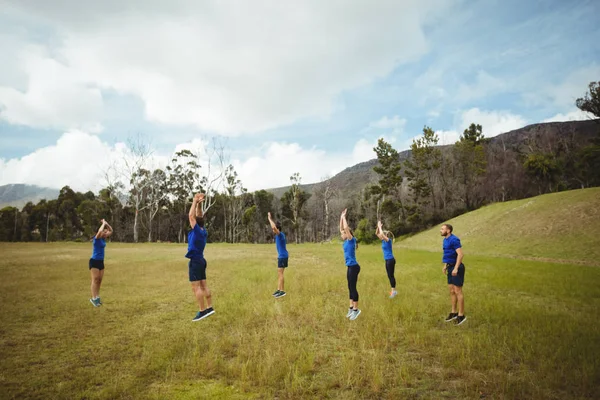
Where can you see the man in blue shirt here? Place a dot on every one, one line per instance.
(197, 264)
(454, 269)
(282, 255)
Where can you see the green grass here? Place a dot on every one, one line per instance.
(533, 329)
(557, 227)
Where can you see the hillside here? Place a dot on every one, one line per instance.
(559, 226)
(17, 195)
(357, 177)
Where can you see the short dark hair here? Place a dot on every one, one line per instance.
(450, 228)
(200, 221)
(278, 225)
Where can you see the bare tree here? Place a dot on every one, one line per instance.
(137, 157)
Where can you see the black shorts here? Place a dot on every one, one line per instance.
(457, 280)
(197, 270)
(282, 263)
(98, 264)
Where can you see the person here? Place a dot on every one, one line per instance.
(454, 269)
(388, 257)
(353, 269)
(282, 256)
(197, 264)
(97, 261)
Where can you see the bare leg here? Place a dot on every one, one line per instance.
(206, 292)
(453, 298)
(355, 305)
(461, 300)
(199, 294)
(280, 278)
(96, 275)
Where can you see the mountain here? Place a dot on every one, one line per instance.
(17, 195)
(356, 178)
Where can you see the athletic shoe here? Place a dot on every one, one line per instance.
(280, 294)
(393, 294)
(451, 317)
(276, 293)
(99, 301)
(350, 310)
(460, 319)
(199, 316)
(95, 303)
(355, 314)
(208, 311)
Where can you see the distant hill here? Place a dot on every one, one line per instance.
(17, 195)
(357, 177)
(558, 226)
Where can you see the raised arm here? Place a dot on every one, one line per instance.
(192, 213)
(272, 223)
(380, 233)
(99, 233)
(344, 225)
(110, 229)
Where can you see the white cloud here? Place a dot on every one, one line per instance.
(276, 162)
(226, 67)
(80, 160)
(52, 98)
(447, 137)
(77, 159)
(493, 122)
(575, 115)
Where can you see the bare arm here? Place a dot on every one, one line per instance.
(272, 223)
(380, 234)
(99, 233)
(110, 229)
(344, 224)
(192, 213)
(459, 259)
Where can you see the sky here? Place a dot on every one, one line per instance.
(306, 86)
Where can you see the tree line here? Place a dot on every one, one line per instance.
(432, 184)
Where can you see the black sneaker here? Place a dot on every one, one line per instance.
(280, 294)
(276, 293)
(451, 317)
(460, 319)
(209, 311)
(199, 316)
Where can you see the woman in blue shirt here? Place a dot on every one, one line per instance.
(388, 256)
(282, 256)
(353, 269)
(97, 261)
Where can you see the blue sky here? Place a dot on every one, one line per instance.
(308, 87)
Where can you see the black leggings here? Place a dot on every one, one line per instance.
(390, 267)
(352, 276)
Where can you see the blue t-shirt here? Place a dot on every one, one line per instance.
(196, 243)
(388, 254)
(99, 245)
(280, 244)
(350, 252)
(451, 243)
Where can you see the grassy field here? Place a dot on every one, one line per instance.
(533, 328)
(557, 227)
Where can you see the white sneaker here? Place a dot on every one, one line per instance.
(393, 294)
(355, 314)
(350, 311)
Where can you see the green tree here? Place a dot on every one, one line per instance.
(471, 164)
(293, 202)
(421, 169)
(590, 102)
(388, 188)
(544, 168)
